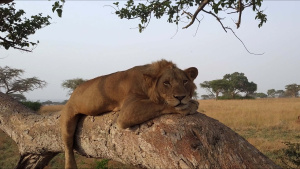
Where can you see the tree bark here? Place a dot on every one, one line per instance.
(169, 141)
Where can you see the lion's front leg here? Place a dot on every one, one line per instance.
(138, 110)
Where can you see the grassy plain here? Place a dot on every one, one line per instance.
(50, 109)
(265, 123)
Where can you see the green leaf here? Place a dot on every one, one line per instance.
(55, 6)
(59, 12)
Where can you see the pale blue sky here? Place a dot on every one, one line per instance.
(90, 41)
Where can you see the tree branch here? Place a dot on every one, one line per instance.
(218, 19)
(12, 44)
(240, 10)
(200, 8)
(170, 141)
(243, 42)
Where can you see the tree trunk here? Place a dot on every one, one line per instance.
(217, 95)
(169, 141)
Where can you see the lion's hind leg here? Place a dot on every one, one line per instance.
(68, 123)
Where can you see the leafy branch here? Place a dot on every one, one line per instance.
(15, 28)
(172, 9)
(144, 11)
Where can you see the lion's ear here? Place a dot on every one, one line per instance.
(192, 72)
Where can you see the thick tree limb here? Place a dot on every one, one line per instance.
(170, 141)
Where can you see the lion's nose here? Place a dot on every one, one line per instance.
(179, 97)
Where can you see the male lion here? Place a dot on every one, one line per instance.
(140, 94)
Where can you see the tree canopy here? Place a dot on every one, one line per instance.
(230, 86)
(261, 95)
(215, 86)
(71, 84)
(271, 92)
(238, 83)
(292, 90)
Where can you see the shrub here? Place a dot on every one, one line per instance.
(35, 106)
(292, 155)
(102, 164)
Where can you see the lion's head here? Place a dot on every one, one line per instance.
(169, 84)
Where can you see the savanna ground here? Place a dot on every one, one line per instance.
(265, 123)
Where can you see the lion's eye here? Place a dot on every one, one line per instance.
(185, 81)
(166, 83)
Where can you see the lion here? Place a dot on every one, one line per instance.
(139, 94)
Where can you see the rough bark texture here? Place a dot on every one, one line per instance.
(170, 141)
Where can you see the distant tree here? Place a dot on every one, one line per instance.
(230, 86)
(260, 95)
(271, 92)
(195, 95)
(64, 102)
(72, 84)
(207, 86)
(15, 28)
(12, 83)
(292, 90)
(205, 97)
(48, 102)
(280, 93)
(219, 86)
(215, 87)
(250, 88)
(238, 83)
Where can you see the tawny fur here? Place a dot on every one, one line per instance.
(140, 94)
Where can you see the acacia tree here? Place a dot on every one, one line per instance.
(72, 84)
(260, 95)
(215, 87)
(280, 93)
(231, 85)
(238, 83)
(292, 90)
(271, 92)
(250, 88)
(12, 83)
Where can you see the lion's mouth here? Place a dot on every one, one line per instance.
(181, 106)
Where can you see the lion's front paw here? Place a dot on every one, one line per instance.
(193, 106)
(191, 109)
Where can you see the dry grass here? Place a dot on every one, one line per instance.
(265, 123)
(254, 114)
(50, 109)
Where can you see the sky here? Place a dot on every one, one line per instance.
(90, 40)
